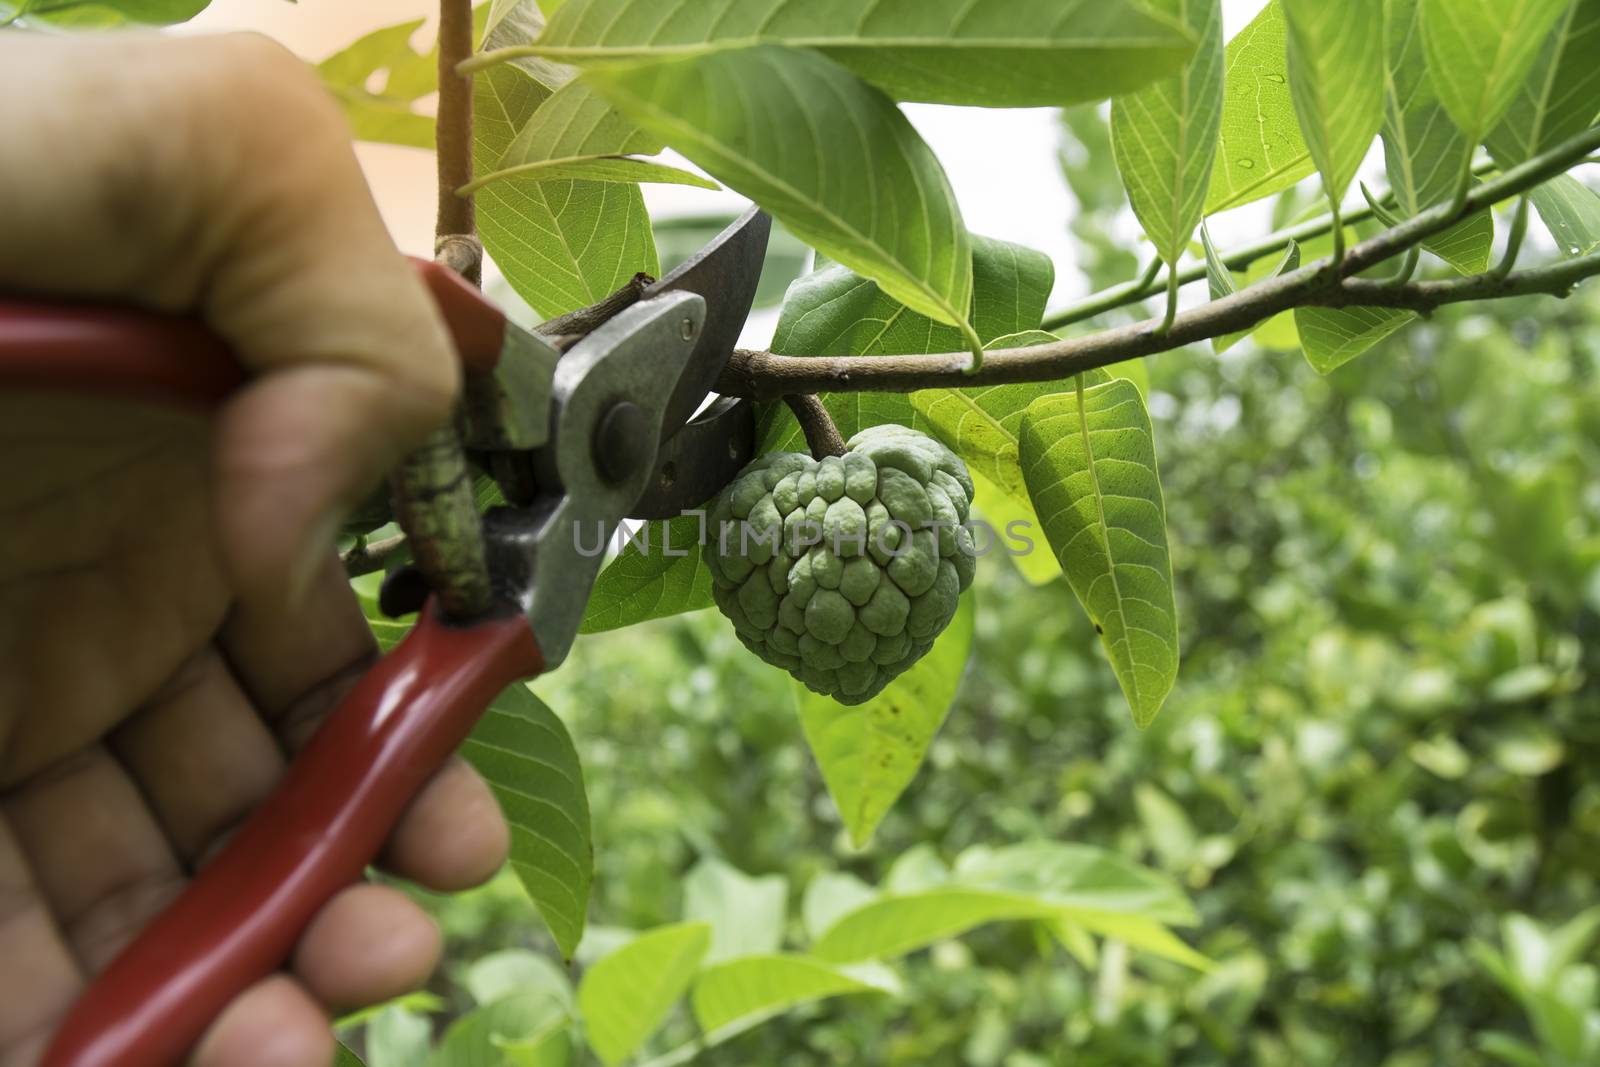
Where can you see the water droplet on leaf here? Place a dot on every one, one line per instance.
(1247, 164)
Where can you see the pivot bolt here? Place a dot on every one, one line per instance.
(622, 443)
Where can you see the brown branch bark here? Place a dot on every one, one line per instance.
(822, 436)
(372, 556)
(433, 497)
(454, 125)
(764, 375)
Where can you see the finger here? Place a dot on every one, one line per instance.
(452, 836)
(96, 852)
(276, 242)
(39, 978)
(200, 755)
(274, 1023)
(296, 667)
(296, 664)
(367, 945)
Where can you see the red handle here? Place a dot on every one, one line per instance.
(239, 919)
(147, 355)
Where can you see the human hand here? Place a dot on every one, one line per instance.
(173, 622)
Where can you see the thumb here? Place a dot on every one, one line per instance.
(221, 180)
(353, 365)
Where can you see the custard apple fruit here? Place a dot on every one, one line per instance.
(844, 570)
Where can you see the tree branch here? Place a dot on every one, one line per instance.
(764, 375)
(454, 124)
(1145, 287)
(433, 498)
(372, 555)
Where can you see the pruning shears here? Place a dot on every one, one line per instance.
(592, 430)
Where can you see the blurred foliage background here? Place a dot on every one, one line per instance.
(1376, 776)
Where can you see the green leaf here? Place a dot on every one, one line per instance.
(1336, 64)
(1045, 880)
(1510, 1049)
(830, 896)
(1087, 880)
(419, 1001)
(388, 115)
(1146, 936)
(994, 53)
(834, 312)
(397, 1037)
(746, 991)
(869, 753)
(832, 158)
(1164, 136)
(746, 914)
(523, 751)
(659, 572)
(87, 14)
(560, 244)
(1561, 97)
(576, 131)
(597, 169)
(529, 1021)
(1221, 283)
(1479, 54)
(1571, 212)
(577, 121)
(788, 258)
(1089, 461)
(627, 995)
(1016, 529)
(343, 1056)
(893, 925)
(499, 974)
(1424, 153)
(1260, 147)
(980, 424)
(1332, 337)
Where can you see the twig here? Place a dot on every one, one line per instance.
(372, 556)
(454, 124)
(1145, 287)
(822, 436)
(767, 376)
(585, 319)
(434, 501)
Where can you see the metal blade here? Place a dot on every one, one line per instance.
(725, 273)
(697, 461)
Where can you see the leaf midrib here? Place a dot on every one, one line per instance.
(931, 44)
(1105, 534)
(736, 163)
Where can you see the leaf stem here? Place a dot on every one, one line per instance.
(1408, 267)
(1173, 286)
(1320, 284)
(1519, 230)
(1336, 224)
(975, 345)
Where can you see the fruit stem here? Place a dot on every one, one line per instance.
(822, 436)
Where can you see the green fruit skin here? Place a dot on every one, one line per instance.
(870, 563)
